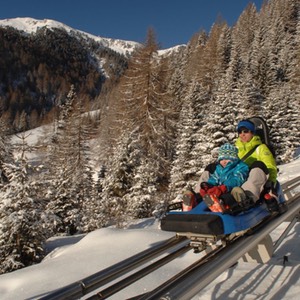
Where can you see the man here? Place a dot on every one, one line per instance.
(258, 157)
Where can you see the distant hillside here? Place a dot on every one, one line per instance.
(40, 60)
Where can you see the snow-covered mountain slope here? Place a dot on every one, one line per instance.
(30, 25)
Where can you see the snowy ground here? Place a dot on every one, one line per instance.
(74, 258)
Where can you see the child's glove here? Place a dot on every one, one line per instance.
(204, 188)
(217, 190)
(203, 192)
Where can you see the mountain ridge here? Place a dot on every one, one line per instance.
(31, 25)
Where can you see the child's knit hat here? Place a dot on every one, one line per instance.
(228, 151)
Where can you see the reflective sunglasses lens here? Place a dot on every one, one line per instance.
(244, 131)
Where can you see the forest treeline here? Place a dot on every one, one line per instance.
(162, 122)
(38, 69)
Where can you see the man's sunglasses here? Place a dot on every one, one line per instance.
(243, 131)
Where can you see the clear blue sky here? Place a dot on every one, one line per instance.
(174, 21)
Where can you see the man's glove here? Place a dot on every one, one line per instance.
(217, 190)
(270, 187)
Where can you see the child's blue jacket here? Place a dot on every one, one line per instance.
(234, 174)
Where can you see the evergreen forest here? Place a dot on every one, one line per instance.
(156, 127)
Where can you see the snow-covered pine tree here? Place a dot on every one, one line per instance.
(5, 151)
(118, 181)
(193, 150)
(180, 172)
(70, 174)
(22, 231)
(147, 116)
(218, 107)
(284, 116)
(143, 196)
(177, 84)
(83, 182)
(282, 107)
(206, 103)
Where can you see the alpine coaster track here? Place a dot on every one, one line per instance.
(187, 283)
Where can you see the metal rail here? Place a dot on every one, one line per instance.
(90, 283)
(290, 184)
(140, 274)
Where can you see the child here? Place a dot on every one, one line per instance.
(230, 173)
